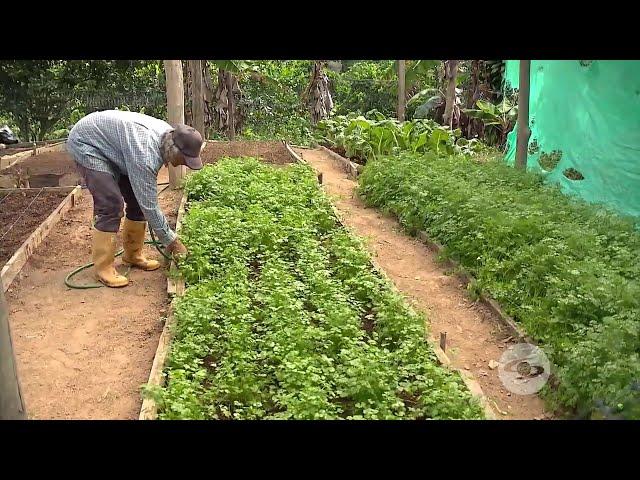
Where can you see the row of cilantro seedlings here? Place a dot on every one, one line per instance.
(284, 316)
(566, 271)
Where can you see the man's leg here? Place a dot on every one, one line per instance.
(135, 227)
(108, 205)
(107, 213)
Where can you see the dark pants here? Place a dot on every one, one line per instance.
(109, 199)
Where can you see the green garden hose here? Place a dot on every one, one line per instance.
(67, 280)
(153, 241)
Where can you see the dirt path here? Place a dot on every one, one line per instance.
(474, 336)
(83, 354)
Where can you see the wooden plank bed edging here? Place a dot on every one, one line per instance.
(175, 288)
(12, 268)
(149, 408)
(175, 283)
(37, 189)
(486, 300)
(352, 169)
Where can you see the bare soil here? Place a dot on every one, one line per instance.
(84, 354)
(19, 217)
(270, 152)
(47, 169)
(48, 162)
(475, 336)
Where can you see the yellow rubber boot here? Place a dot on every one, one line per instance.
(133, 240)
(104, 250)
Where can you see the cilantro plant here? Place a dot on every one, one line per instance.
(567, 271)
(284, 317)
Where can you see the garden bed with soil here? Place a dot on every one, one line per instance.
(11, 151)
(269, 152)
(21, 212)
(264, 267)
(47, 169)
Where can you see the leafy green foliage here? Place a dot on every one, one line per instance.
(362, 138)
(500, 118)
(567, 271)
(284, 316)
(40, 95)
(366, 86)
(272, 91)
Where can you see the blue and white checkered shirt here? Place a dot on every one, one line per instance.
(125, 143)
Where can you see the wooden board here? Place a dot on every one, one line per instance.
(352, 169)
(149, 409)
(175, 289)
(175, 283)
(20, 257)
(37, 189)
(489, 302)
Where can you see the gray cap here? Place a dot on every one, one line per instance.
(189, 142)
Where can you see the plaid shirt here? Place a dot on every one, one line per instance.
(125, 143)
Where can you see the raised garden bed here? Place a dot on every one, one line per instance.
(566, 271)
(149, 410)
(5, 152)
(53, 168)
(269, 152)
(26, 217)
(7, 160)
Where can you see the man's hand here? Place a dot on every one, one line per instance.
(176, 248)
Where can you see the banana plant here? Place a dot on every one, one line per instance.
(500, 117)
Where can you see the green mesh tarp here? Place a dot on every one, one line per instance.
(587, 111)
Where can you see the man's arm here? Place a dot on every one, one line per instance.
(143, 182)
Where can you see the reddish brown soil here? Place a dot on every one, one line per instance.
(58, 163)
(270, 152)
(474, 334)
(19, 217)
(83, 354)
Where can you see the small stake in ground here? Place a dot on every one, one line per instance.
(443, 341)
(320, 178)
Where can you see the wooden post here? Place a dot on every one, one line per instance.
(231, 107)
(451, 72)
(524, 132)
(197, 97)
(401, 89)
(11, 402)
(175, 110)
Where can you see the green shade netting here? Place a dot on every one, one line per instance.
(589, 111)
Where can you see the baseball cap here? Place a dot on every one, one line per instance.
(189, 142)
